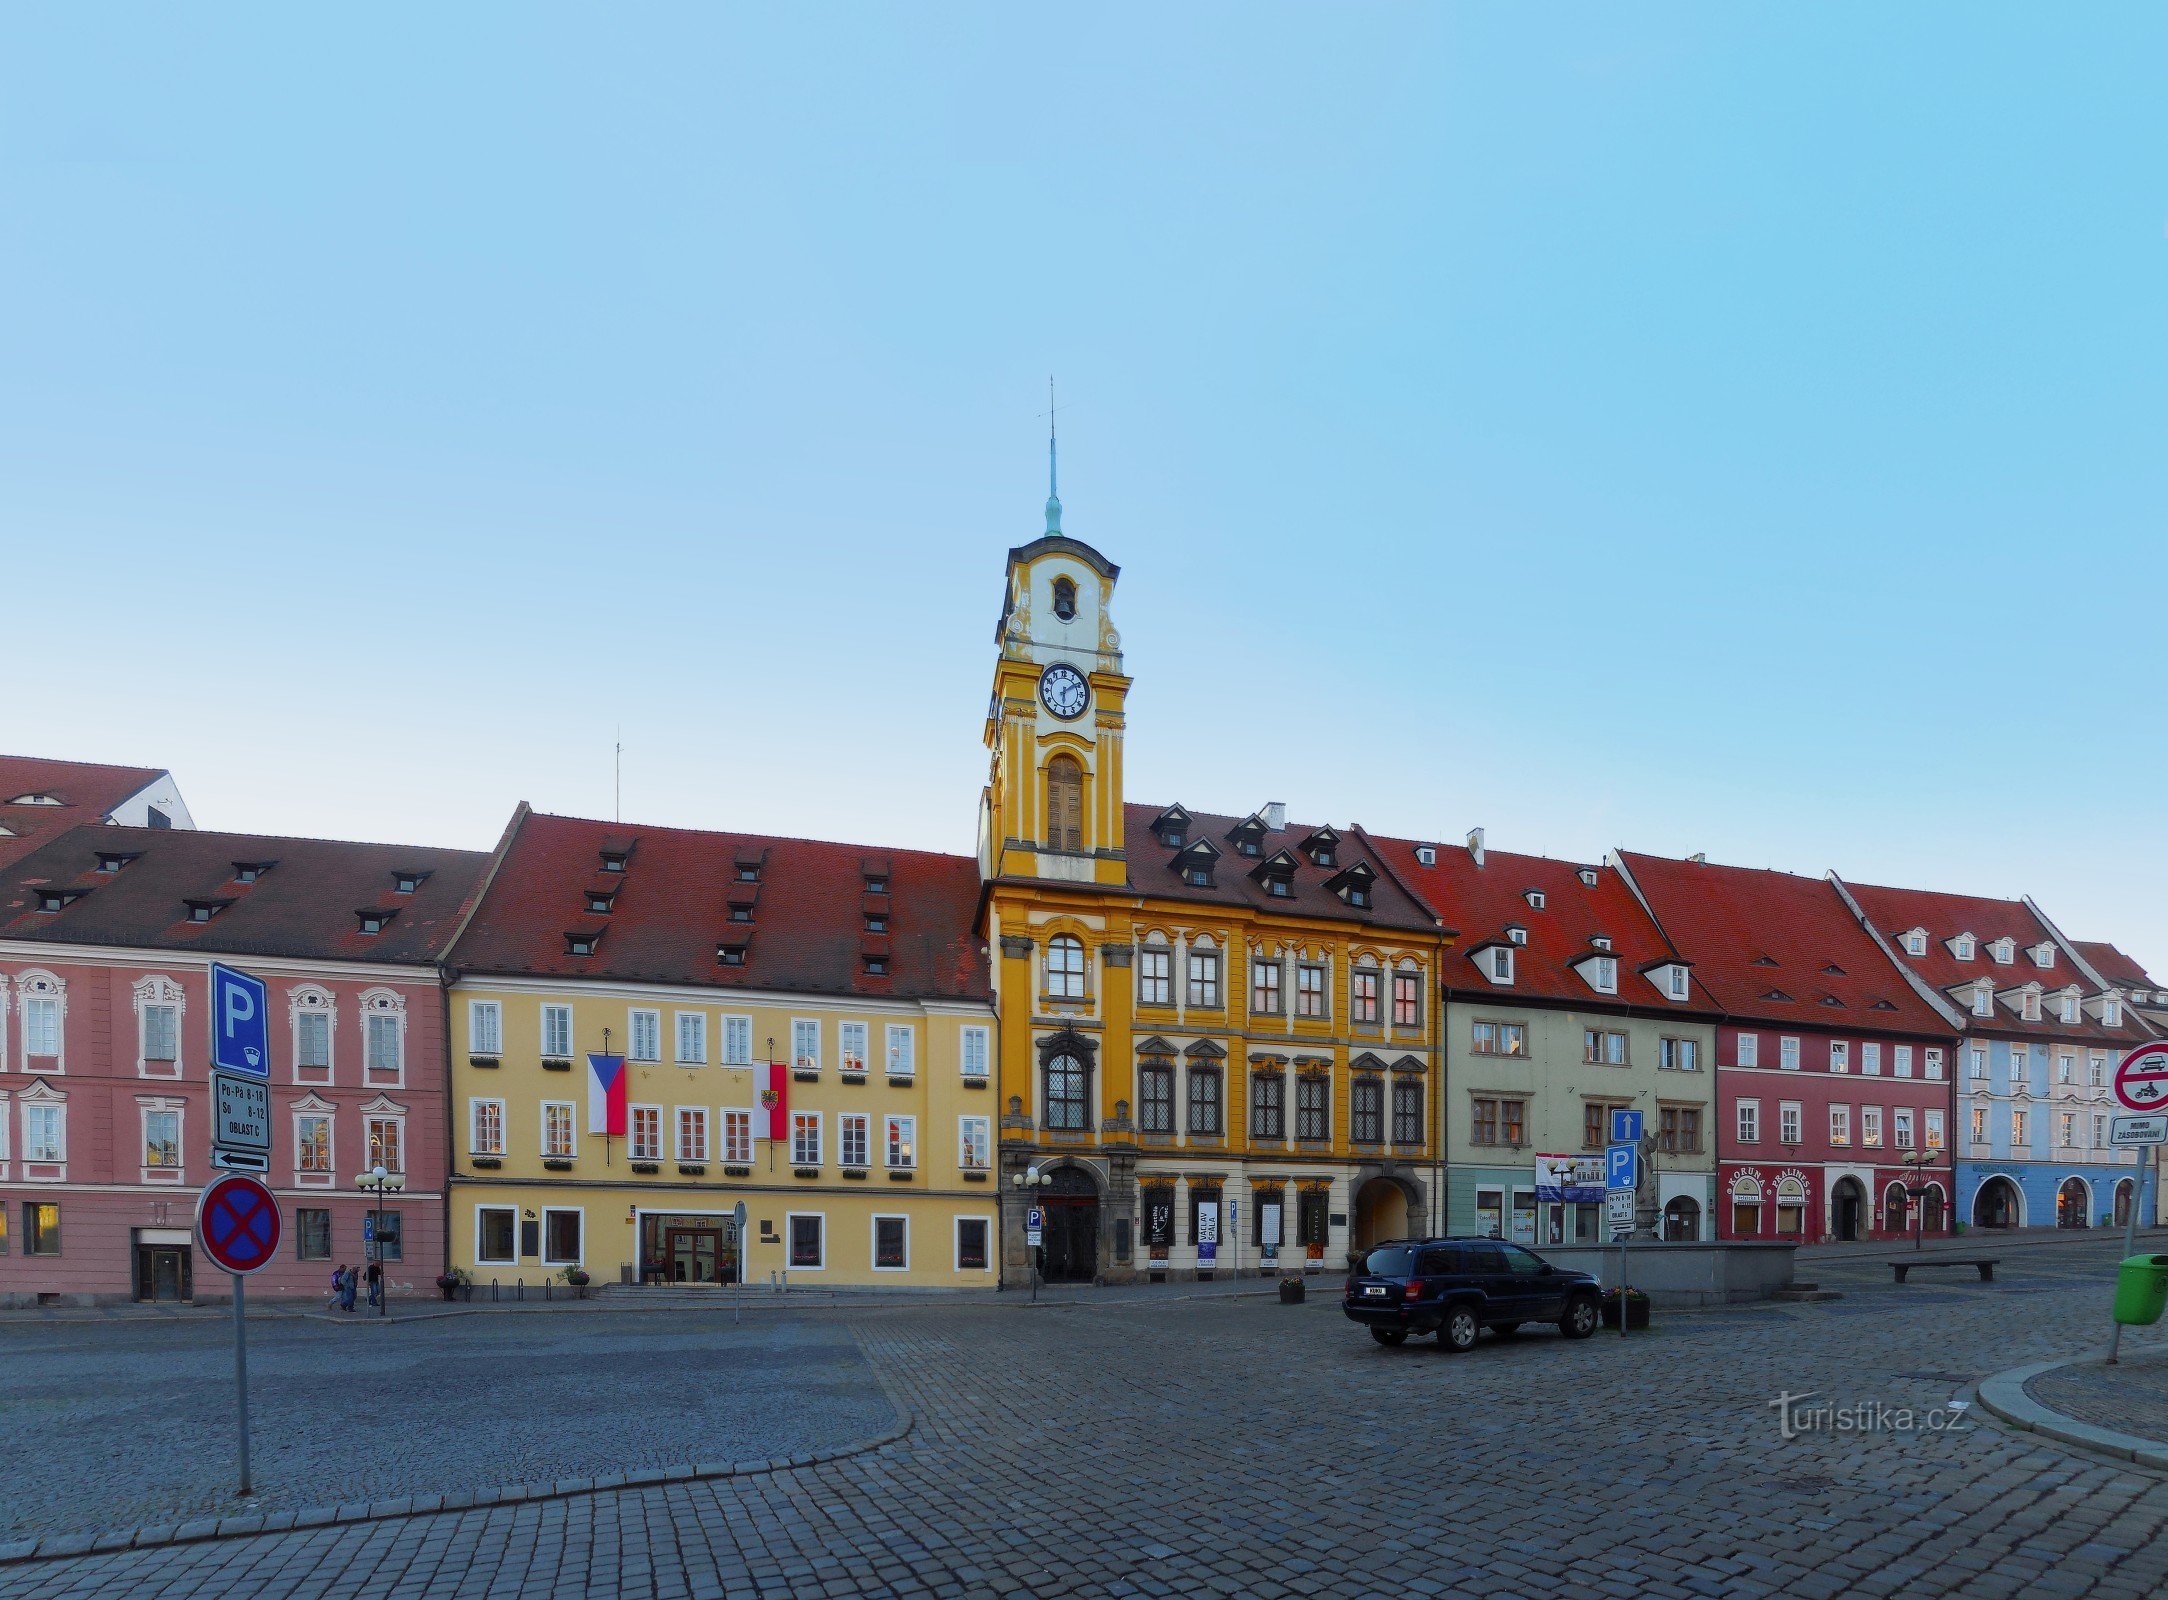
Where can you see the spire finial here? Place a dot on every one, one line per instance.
(1053, 489)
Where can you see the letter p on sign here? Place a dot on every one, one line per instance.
(240, 1041)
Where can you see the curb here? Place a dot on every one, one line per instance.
(2004, 1395)
(204, 1530)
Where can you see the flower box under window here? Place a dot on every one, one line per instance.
(902, 1175)
(647, 1166)
(556, 1064)
(805, 1172)
(901, 1080)
(975, 1083)
(976, 1177)
(850, 1076)
(854, 1172)
(692, 1169)
(737, 1172)
(806, 1074)
(482, 1061)
(558, 1164)
(484, 1163)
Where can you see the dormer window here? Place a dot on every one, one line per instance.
(36, 799)
(876, 966)
(1426, 855)
(1358, 894)
(1197, 877)
(2004, 951)
(111, 861)
(1194, 864)
(204, 910)
(250, 871)
(1277, 875)
(1601, 941)
(2029, 1007)
(1675, 982)
(730, 955)
(1963, 947)
(50, 900)
(1499, 963)
(1535, 898)
(1605, 976)
(582, 944)
(600, 902)
(407, 882)
(876, 885)
(1517, 934)
(375, 919)
(2070, 1007)
(1065, 599)
(2111, 1012)
(748, 872)
(875, 924)
(1916, 942)
(1323, 848)
(1249, 836)
(614, 860)
(1983, 1001)
(2044, 956)
(1587, 876)
(741, 913)
(1279, 888)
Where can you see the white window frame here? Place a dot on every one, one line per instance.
(388, 1007)
(571, 1152)
(314, 1000)
(789, 1242)
(56, 1110)
(1788, 1052)
(805, 1044)
(1840, 1056)
(984, 1128)
(692, 1051)
(637, 1017)
(737, 1040)
(1677, 982)
(854, 1046)
(1605, 978)
(1977, 1065)
(374, 1113)
(873, 1240)
(1870, 1127)
(1746, 1121)
(1747, 1048)
(1840, 1125)
(475, 1146)
(552, 1010)
(908, 1036)
(1791, 1122)
(1901, 1131)
(956, 1240)
(698, 1116)
(974, 1042)
(1931, 1063)
(1870, 1058)
(736, 1119)
(480, 1234)
(800, 1121)
(161, 993)
(44, 990)
(485, 1027)
(1932, 1128)
(1900, 1061)
(1983, 1001)
(889, 1124)
(638, 1146)
(859, 1123)
(549, 1260)
(178, 1111)
(1501, 965)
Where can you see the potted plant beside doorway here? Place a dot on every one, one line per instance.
(577, 1277)
(457, 1283)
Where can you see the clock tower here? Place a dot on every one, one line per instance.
(1052, 808)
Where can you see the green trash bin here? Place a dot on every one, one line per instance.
(2141, 1290)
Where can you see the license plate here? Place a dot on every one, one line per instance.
(1375, 1289)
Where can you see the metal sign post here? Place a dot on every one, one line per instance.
(1619, 1173)
(737, 1288)
(2143, 1134)
(239, 1227)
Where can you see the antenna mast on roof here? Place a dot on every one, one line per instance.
(617, 778)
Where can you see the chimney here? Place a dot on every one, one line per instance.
(1475, 844)
(1275, 814)
(1699, 858)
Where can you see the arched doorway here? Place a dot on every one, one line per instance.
(1847, 1208)
(1893, 1209)
(1931, 1208)
(1682, 1220)
(1070, 1253)
(2122, 1201)
(2073, 1203)
(1381, 1213)
(1997, 1204)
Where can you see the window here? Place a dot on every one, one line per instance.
(557, 1135)
(1870, 1059)
(1603, 973)
(560, 1237)
(854, 1139)
(1309, 990)
(851, 1047)
(644, 1124)
(45, 1133)
(1407, 1111)
(1900, 1060)
(692, 1038)
(1065, 803)
(312, 1234)
(1153, 980)
(557, 1032)
(1204, 978)
(902, 1143)
(485, 1128)
(1678, 1055)
(1931, 1059)
(1065, 968)
(2111, 1012)
(971, 1251)
(496, 1236)
(2100, 1132)
(1675, 981)
(2030, 1006)
(1500, 958)
(974, 1143)
(1915, 943)
(1603, 1047)
(1363, 994)
(2069, 1008)
(41, 1228)
(1788, 1054)
(1979, 1061)
(807, 1246)
(1934, 1130)
(1979, 1124)
(1497, 1121)
(312, 1040)
(902, 1049)
(891, 1244)
(1679, 1130)
(1407, 1000)
(805, 1138)
(161, 1033)
(2066, 1069)
(737, 1041)
(1265, 988)
(1983, 1001)
(1313, 1108)
(1499, 1039)
(1965, 947)
(1155, 1096)
(383, 1060)
(805, 1045)
(2020, 1129)
(1749, 1049)
(485, 1027)
(692, 1133)
(41, 1026)
(1595, 1123)
(975, 1052)
(1366, 1111)
(2020, 1067)
(644, 1035)
(312, 1143)
(1750, 1122)
(387, 1141)
(2097, 1069)
(1840, 1124)
(1268, 1106)
(1068, 1094)
(162, 1139)
(738, 1137)
(1789, 1118)
(1204, 1101)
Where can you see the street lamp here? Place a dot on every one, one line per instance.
(1918, 1189)
(1024, 1182)
(379, 1179)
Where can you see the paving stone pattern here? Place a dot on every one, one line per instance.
(2129, 1398)
(1238, 1447)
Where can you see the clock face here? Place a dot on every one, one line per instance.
(1063, 689)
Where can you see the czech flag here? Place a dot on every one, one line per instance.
(606, 1087)
(771, 1087)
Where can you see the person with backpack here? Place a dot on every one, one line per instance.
(347, 1284)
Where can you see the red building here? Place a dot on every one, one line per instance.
(107, 935)
(1831, 1068)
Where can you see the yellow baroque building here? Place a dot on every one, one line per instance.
(1219, 1041)
(801, 1027)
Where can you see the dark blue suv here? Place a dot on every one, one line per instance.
(1456, 1287)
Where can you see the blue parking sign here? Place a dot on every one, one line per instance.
(240, 1023)
(1618, 1166)
(1625, 1126)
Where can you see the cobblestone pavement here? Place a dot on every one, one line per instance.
(1238, 1447)
(2131, 1397)
(132, 1423)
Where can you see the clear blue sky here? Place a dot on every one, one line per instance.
(1712, 428)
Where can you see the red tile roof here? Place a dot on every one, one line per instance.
(672, 910)
(305, 906)
(1484, 901)
(1776, 948)
(1236, 880)
(2112, 964)
(87, 792)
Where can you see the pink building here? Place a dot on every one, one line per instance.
(107, 935)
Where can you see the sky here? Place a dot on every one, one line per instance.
(1706, 428)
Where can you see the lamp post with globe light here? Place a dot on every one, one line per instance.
(379, 1179)
(1025, 1182)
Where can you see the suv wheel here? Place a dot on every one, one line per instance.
(1389, 1335)
(1458, 1331)
(1581, 1317)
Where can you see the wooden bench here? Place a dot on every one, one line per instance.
(1986, 1264)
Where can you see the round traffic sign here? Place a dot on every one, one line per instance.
(238, 1224)
(2141, 1080)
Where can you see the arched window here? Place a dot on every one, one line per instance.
(1068, 1093)
(1065, 969)
(1682, 1221)
(1065, 599)
(1065, 803)
(1893, 1208)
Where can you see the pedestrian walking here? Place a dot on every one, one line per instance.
(376, 1285)
(338, 1286)
(348, 1284)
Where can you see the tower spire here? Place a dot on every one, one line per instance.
(1053, 490)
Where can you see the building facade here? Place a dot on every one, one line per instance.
(42, 799)
(2042, 1035)
(1833, 1072)
(107, 935)
(652, 1026)
(1561, 1003)
(1218, 1032)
